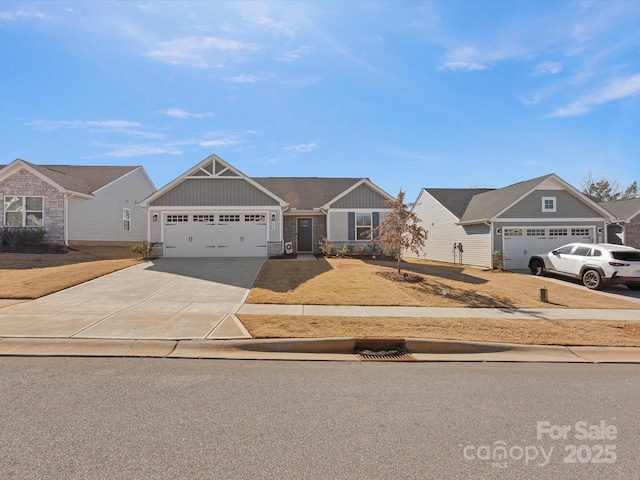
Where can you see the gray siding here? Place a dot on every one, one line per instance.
(155, 227)
(214, 192)
(100, 218)
(338, 226)
(567, 206)
(443, 232)
(361, 197)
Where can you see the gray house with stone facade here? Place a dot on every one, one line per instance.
(76, 204)
(214, 210)
(516, 221)
(625, 230)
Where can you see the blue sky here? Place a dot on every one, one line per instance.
(409, 94)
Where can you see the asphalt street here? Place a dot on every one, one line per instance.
(95, 418)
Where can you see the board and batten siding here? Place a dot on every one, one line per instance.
(443, 232)
(362, 197)
(214, 192)
(100, 219)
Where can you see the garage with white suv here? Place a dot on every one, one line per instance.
(596, 265)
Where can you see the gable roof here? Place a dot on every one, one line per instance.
(84, 179)
(456, 200)
(211, 167)
(305, 193)
(488, 204)
(623, 209)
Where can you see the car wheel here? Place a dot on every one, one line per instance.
(633, 286)
(536, 267)
(592, 279)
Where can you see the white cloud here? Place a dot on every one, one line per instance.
(221, 142)
(18, 14)
(244, 78)
(114, 126)
(294, 55)
(305, 147)
(179, 113)
(617, 89)
(193, 51)
(465, 66)
(546, 68)
(125, 151)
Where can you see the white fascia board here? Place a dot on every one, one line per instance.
(364, 181)
(292, 212)
(216, 209)
(361, 210)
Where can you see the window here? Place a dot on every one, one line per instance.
(535, 232)
(582, 251)
(126, 219)
(23, 211)
(566, 249)
(557, 232)
(512, 232)
(229, 218)
(204, 218)
(582, 232)
(363, 225)
(596, 253)
(177, 218)
(548, 204)
(255, 217)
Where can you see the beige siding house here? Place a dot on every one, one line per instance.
(76, 203)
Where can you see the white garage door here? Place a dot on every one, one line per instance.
(215, 235)
(519, 243)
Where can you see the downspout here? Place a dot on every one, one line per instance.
(489, 224)
(65, 220)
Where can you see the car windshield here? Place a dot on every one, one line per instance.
(633, 256)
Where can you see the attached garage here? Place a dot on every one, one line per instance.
(228, 234)
(519, 243)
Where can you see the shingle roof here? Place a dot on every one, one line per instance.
(456, 200)
(306, 192)
(623, 209)
(486, 205)
(82, 178)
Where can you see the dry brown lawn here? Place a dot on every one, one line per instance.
(539, 332)
(355, 282)
(33, 275)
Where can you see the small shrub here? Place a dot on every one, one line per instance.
(344, 251)
(16, 237)
(497, 260)
(326, 247)
(144, 249)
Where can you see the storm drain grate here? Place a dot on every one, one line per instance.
(386, 356)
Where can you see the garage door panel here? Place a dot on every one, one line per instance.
(519, 243)
(215, 235)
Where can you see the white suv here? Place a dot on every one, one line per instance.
(596, 264)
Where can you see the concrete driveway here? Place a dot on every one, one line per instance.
(169, 298)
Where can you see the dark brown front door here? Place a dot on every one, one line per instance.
(305, 235)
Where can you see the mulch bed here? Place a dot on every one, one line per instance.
(35, 249)
(405, 277)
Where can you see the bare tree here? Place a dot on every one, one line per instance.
(604, 190)
(400, 230)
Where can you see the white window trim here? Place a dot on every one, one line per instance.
(358, 237)
(550, 210)
(124, 220)
(24, 212)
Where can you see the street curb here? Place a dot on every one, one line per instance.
(315, 349)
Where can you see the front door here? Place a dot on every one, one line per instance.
(305, 235)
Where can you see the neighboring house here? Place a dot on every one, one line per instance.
(519, 220)
(625, 230)
(214, 210)
(76, 204)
